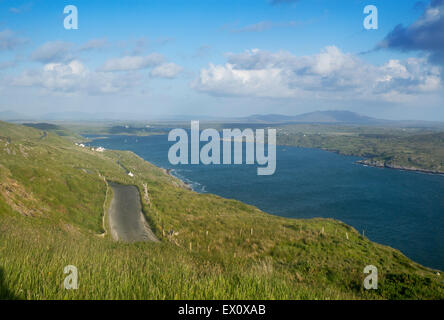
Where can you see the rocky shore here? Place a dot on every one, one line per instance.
(183, 184)
(383, 164)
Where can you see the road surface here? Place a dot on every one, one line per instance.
(126, 219)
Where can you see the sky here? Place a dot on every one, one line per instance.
(223, 58)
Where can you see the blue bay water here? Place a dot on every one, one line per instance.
(401, 209)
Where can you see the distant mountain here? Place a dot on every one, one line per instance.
(85, 116)
(332, 116)
(118, 116)
(9, 115)
(112, 116)
(321, 117)
(269, 118)
(335, 116)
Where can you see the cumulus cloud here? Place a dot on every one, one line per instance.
(329, 74)
(72, 77)
(7, 64)
(140, 46)
(94, 44)
(426, 34)
(54, 51)
(256, 27)
(133, 63)
(60, 51)
(9, 40)
(227, 80)
(166, 70)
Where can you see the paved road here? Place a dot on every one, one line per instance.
(126, 220)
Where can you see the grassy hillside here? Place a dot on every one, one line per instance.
(53, 196)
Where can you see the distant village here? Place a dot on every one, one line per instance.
(99, 149)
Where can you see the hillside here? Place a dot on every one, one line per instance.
(53, 196)
(329, 116)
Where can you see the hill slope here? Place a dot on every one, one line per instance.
(53, 196)
(329, 116)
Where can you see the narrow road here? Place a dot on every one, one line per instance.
(126, 219)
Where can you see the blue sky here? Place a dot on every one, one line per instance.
(224, 58)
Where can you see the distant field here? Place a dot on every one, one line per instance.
(117, 128)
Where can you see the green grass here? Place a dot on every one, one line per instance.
(53, 196)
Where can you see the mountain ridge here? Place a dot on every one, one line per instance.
(317, 117)
(329, 116)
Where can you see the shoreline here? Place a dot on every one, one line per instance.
(374, 163)
(371, 163)
(184, 184)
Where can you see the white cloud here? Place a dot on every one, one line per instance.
(55, 51)
(166, 70)
(94, 44)
(257, 27)
(9, 40)
(330, 74)
(133, 62)
(7, 64)
(227, 80)
(75, 77)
